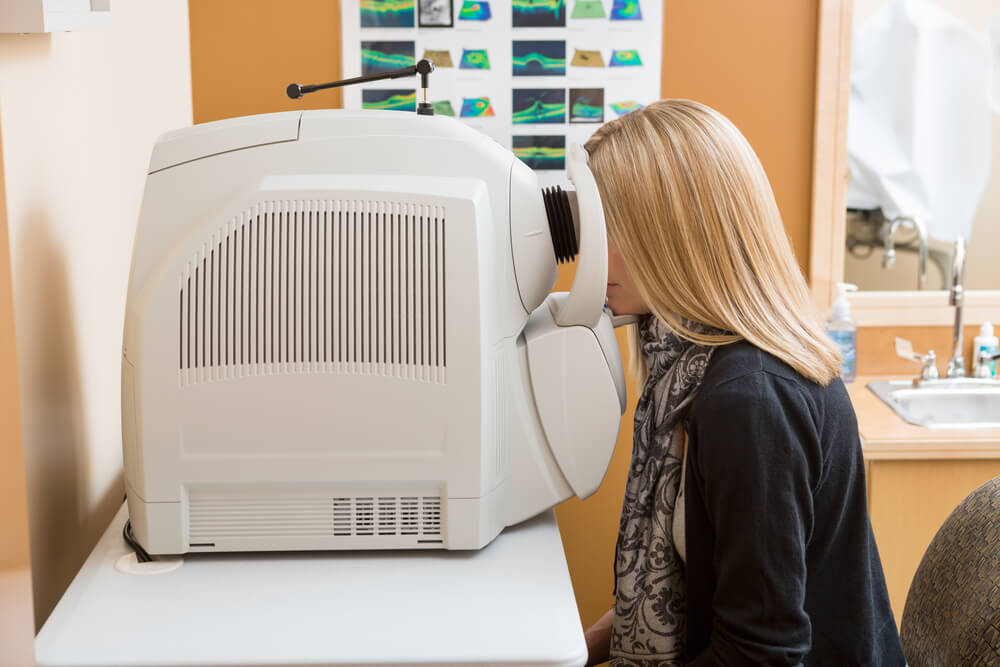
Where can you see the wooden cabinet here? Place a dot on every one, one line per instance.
(908, 500)
(916, 477)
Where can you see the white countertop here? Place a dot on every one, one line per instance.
(511, 603)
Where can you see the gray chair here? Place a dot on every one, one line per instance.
(952, 612)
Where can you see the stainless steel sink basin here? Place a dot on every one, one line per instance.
(951, 403)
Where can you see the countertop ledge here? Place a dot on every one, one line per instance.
(884, 435)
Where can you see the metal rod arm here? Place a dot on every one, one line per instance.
(423, 68)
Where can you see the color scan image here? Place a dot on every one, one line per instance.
(539, 13)
(385, 56)
(626, 10)
(390, 100)
(443, 108)
(588, 9)
(387, 13)
(542, 58)
(625, 58)
(586, 105)
(538, 105)
(476, 107)
(474, 11)
(587, 58)
(622, 108)
(439, 58)
(541, 152)
(474, 59)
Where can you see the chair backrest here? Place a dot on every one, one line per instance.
(952, 612)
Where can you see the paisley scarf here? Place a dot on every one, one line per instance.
(649, 624)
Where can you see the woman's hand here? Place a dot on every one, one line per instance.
(598, 638)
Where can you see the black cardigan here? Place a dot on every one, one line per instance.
(781, 563)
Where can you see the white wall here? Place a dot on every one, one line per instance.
(79, 113)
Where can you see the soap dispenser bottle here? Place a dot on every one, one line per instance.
(844, 332)
(984, 342)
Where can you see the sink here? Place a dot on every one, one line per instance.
(948, 403)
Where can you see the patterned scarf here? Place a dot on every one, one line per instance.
(650, 621)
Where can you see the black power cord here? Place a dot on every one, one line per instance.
(141, 554)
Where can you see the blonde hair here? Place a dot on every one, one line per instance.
(690, 209)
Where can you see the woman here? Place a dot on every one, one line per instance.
(744, 535)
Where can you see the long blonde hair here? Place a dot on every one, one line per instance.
(690, 209)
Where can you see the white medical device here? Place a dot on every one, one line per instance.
(339, 335)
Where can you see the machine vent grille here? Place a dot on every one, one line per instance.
(214, 519)
(353, 287)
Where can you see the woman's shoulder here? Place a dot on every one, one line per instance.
(749, 396)
(743, 376)
(742, 359)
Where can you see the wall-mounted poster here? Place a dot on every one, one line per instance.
(536, 75)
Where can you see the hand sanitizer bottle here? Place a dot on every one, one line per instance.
(988, 342)
(844, 332)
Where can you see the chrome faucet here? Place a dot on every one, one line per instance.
(956, 297)
(889, 242)
(928, 371)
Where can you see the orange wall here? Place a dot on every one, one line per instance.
(244, 53)
(754, 62)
